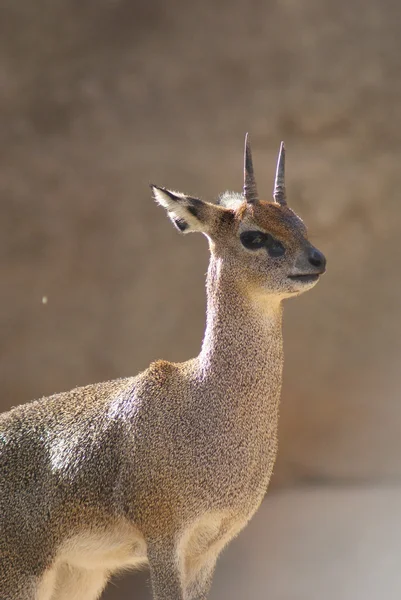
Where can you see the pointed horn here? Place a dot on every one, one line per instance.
(279, 193)
(250, 191)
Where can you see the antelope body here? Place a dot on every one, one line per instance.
(167, 467)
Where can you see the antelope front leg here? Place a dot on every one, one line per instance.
(73, 583)
(199, 588)
(164, 571)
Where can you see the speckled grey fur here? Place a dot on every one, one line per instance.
(167, 467)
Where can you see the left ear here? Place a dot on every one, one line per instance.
(188, 214)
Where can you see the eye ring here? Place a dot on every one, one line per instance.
(253, 240)
(275, 249)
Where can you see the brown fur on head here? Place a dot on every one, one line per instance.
(263, 244)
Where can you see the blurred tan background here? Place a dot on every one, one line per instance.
(98, 98)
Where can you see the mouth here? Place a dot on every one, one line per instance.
(306, 278)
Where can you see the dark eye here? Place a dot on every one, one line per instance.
(253, 239)
(275, 248)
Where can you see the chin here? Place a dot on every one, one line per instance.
(287, 288)
(302, 284)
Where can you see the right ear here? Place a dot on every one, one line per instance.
(188, 214)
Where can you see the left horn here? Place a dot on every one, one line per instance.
(250, 191)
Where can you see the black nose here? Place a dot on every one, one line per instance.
(317, 259)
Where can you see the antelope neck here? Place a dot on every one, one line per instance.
(242, 345)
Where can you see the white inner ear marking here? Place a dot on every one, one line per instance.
(165, 200)
(177, 209)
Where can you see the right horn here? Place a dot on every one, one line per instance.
(279, 193)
